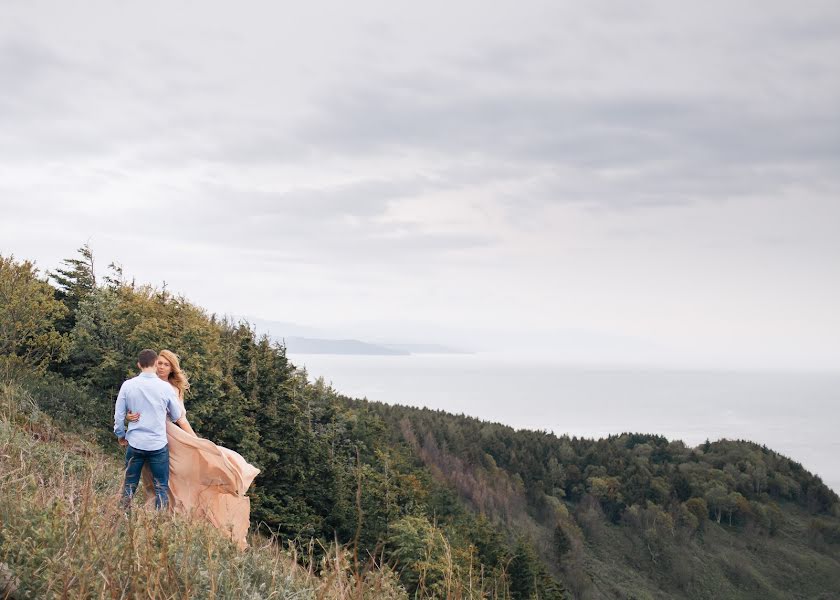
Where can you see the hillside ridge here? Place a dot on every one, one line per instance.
(432, 497)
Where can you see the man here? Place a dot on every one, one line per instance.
(145, 441)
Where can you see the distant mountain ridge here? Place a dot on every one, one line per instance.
(302, 339)
(302, 345)
(427, 349)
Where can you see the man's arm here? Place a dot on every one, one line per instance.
(119, 414)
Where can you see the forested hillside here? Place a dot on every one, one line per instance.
(458, 507)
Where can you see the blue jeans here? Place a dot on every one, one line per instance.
(158, 461)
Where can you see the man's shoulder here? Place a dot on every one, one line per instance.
(161, 384)
(128, 383)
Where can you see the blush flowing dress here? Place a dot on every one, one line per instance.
(207, 481)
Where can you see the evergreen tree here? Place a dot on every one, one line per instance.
(75, 281)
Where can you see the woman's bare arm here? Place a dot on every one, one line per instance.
(182, 422)
(185, 425)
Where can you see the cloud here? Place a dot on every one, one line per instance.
(525, 108)
(347, 221)
(677, 139)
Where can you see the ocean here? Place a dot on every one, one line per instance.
(794, 413)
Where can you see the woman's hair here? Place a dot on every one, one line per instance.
(176, 377)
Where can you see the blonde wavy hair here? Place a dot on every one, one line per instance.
(176, 377)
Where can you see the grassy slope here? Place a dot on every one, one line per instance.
(719, 563)
(62, 533)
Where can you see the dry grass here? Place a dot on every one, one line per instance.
(63, 535)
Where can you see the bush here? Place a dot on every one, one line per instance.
(29, 312)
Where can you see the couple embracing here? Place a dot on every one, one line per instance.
(181, 471)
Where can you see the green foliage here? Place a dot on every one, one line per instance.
(698, 508)
(562, 543)
(458, 507)
(528, 576)
(74, 282)
(28, 316)
(421, 554)
(523, 571)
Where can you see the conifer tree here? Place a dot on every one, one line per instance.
(75, 281)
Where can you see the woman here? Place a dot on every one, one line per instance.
(205, 480)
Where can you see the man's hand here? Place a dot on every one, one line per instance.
(123, 442)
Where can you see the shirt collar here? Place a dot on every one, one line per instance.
(148, 375)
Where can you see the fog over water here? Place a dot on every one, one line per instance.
(793, 413)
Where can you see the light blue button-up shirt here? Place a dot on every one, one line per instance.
(152, 397)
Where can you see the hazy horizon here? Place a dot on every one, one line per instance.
(572, 347)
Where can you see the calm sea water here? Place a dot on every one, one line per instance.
(796, 414)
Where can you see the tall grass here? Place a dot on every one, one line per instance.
(63, 534)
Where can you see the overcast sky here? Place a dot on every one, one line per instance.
(655, 181)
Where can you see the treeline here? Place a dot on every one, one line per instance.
(330, 470)
(736, 480)
(562, 491)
